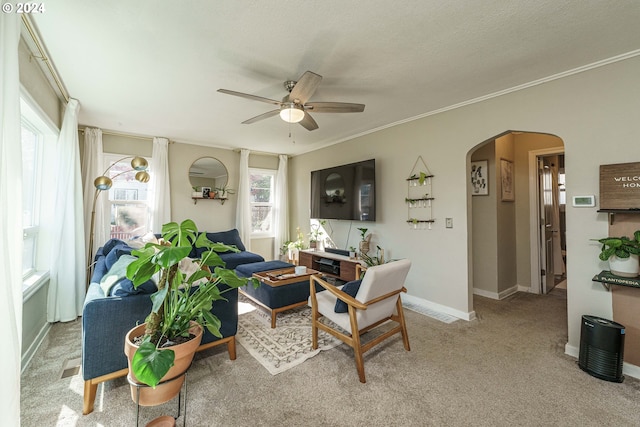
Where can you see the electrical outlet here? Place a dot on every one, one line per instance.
(449, 222)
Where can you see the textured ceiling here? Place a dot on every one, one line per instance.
(152, 67)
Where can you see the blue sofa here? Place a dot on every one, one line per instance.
(106, 318)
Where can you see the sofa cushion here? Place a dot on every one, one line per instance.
(247, 270)
(234, 259)
(115, 253)
(230, 237)
(106, 248)
(349, 288)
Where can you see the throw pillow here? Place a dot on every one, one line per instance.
(116, 273)
(349, 288)
(115, 253)
(139, 242)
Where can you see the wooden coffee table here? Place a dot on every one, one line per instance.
(277, 282)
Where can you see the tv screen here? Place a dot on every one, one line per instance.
(345, 192)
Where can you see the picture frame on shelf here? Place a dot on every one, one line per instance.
(479, 172)
(206, 192)
(507, 184)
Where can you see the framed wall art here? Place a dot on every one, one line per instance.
(507, 191)
(479, 178)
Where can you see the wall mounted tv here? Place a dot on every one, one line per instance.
(345, 192)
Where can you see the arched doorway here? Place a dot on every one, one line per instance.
(505, 217)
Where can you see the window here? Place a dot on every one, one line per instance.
(262, 188)
(128, 206)
(37, 133)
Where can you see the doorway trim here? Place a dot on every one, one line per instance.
(534, 215)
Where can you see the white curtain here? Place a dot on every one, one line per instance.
(159, 186)
(67, 282)
(92, 167)
(243, 210)
(281, 206)
(10, 218)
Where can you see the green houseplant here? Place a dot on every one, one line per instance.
(224, 191)
(316, 234)
(176, 306)
(622, 254)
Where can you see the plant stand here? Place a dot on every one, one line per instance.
(166, 419)
(419, 197)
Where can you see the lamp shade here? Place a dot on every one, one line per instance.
(103, 183)
(143, 176)
(139, 164)
(292, 113)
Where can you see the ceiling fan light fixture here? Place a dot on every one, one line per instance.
(292, 113)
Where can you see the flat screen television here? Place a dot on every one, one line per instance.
(345, 192)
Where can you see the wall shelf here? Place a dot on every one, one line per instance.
(419, 196)
(221, 199)
(606, 278)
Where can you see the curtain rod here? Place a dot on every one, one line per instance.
(44, 57)
(126, 135)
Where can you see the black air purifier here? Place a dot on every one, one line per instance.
(601, 348)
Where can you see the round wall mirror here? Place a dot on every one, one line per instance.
(208, 172)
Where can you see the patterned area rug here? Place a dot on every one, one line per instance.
(284, 347)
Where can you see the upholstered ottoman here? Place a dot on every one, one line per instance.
(275, 298)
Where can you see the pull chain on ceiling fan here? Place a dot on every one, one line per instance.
(294, 107)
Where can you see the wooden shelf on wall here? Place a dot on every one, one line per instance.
(222, 200)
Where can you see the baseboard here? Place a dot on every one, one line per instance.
(439, 307)
(494, 295)
(627, 368)
(31, 351)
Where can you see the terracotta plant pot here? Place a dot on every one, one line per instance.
(183, 356)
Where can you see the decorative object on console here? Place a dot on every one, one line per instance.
(365, 240)
(316, 233)
(176, 305)
(622, 254)
(420, 215)
(102, 183)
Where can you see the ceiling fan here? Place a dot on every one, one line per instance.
(294, 107)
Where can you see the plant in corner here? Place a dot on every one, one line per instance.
(622, 254)
(176, 305)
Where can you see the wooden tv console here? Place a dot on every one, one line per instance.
(330, 264)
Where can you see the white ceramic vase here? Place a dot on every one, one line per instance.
(624, 267)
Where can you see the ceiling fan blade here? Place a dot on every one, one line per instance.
(252, 97)
(308, 123)
(261, 117)
(334, 107)
(305, 87)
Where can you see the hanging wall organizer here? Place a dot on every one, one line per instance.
(419, 196)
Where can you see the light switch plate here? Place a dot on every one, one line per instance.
(449, 222)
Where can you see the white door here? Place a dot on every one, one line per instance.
(547, 228)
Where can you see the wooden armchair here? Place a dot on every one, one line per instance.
(376, 301)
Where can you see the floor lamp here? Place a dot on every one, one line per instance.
(102, 183)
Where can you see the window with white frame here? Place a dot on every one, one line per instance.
(262, 190)
(128, 206)
(37, 131)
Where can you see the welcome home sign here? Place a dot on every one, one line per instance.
(620, 186)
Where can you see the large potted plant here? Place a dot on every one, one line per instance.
(181, 307)
(622, 254)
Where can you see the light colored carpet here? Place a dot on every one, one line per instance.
(506, 368)
(284, 347)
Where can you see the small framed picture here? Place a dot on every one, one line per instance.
(206, 191)
(479, 178)
(506, 178)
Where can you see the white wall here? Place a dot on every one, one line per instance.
(595, 113)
